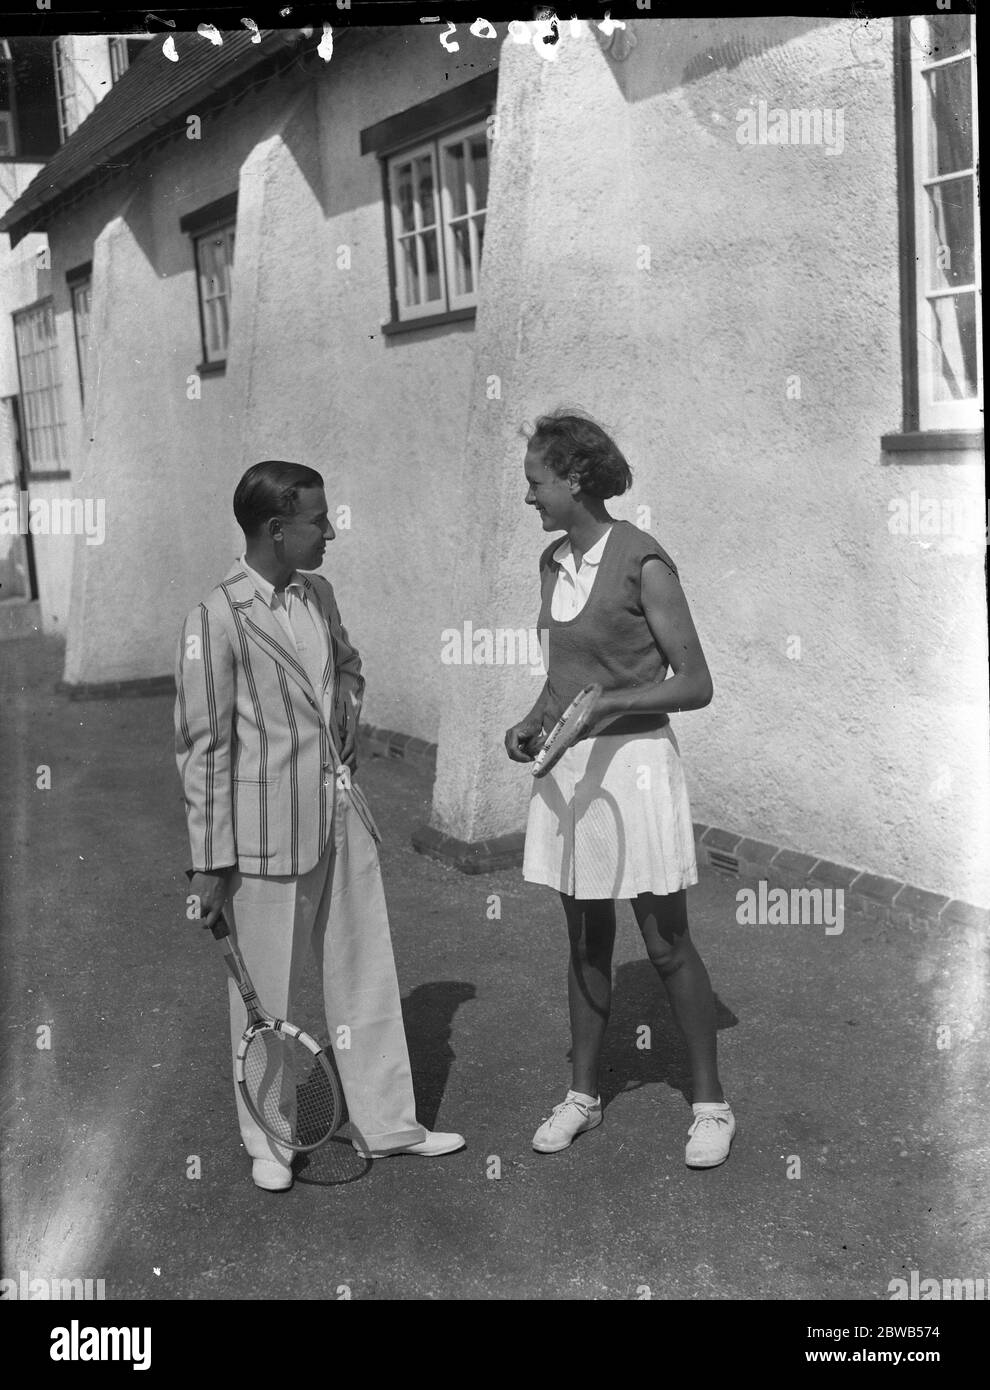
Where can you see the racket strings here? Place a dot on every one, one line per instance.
(291, 1091)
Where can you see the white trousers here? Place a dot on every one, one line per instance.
(336, 912)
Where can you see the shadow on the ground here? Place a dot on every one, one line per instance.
(333, 1164)
(638, 1000)
(428, 1013)
(428, 1016)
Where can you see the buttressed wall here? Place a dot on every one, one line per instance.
(732, 312)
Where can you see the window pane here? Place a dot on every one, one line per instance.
(949, 34)
(81, 295)
(954, 331)
(953, 230)
(216, 326)
(479, 170)
(410, 275)
(454, 173)
(432, 265)
(951, 136)
(37, 354)
(212, 262)
(404, 196)
(214, 253)
(463, 279)
(424, 191)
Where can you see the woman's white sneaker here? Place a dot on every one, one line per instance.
(571, 1117)
(710, 1136)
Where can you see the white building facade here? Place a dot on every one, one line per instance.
(748, 246)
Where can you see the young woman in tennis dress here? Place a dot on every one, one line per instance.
(611, 820)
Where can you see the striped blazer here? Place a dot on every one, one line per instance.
(256, 754)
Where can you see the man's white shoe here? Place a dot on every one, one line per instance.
(431, 1147)
(567, 1120)
(710, 1136)
(271, 1176)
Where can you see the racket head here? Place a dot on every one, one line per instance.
(289, 1085)
(566, 731)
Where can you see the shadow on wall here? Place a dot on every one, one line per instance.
(719, 74)
(294, 121)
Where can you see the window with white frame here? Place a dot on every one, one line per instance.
(65, 89)
(438, 196)
(81, 291)
(36, 341)
(946, 251)
(214, 266)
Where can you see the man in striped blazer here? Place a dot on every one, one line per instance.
(269, 692)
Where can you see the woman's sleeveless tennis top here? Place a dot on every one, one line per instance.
(609, 641)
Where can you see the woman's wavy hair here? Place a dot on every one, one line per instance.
(569, 441)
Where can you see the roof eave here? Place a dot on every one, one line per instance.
(28, 214)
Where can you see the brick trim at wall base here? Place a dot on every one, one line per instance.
(869, 897)
(383, 743)
(477, 857)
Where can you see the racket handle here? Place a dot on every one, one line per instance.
(220, 929)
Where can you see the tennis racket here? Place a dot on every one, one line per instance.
(568, 728)
(285, 1077)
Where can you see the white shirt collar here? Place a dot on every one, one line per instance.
(267, 589)
(564, 554)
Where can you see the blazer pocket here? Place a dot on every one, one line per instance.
(256, 815)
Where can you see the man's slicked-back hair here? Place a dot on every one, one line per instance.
(271, 488)
(571, 441)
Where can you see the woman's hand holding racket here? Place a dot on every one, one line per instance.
(581, 716)
(523, 740)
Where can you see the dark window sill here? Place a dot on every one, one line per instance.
(211, 368)
(928, 441)
(395, 326)
(54, 476)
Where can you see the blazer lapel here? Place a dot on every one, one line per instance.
(332, 662)
(257, 621)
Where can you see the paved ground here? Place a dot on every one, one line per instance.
(829, 1048)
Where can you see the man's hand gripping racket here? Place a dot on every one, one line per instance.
(285, 1077)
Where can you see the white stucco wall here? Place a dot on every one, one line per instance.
(23, 281)
(89, 55)
(766, 263)
(383, 419)
(309, 377)
(166, 465)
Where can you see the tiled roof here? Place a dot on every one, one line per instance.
(152, 93)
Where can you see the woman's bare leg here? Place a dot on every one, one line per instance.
(591, 928)
(663, 922)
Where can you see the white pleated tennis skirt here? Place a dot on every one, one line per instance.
(612, 819)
